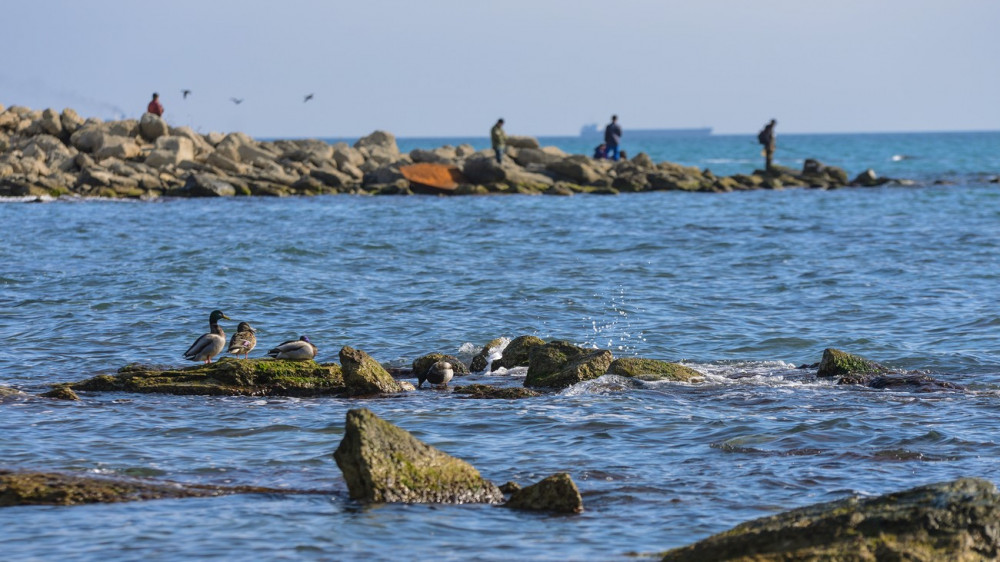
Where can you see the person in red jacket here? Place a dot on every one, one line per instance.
(155, 107)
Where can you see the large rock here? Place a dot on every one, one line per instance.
(51, 123)
(481, 360)
(363, 375)
(653, 370)
(559, 364)
(118, 147)
(70, 121)
(578, 169)
(207, 185)
(170, 151)
(837, 363)
(88, 138)
(201, 146)
(948, 521)
(219, 161)
(518, 352)
(522, 142)
(347, 155)
(483, 169)
(423, 363)
(543, 156)
(384, 463)
(443, 155)
(380, 146)
(152, 127)
(227, 376)
(557, 493)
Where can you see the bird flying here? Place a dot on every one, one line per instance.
(237, 101)
(186, 93)
(308, 97)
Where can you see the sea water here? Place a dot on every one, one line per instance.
(744, 287)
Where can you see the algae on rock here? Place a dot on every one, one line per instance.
(494, 392)
(837, 363)
(385, 463)
(364, 375)
(559, 364)
(955, 520)
(653, 370)
(556, 493)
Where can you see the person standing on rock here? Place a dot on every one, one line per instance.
(498, 139)
(612, 136)
(768, 139)
(155, 107)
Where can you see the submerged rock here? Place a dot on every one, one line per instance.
(482, 359)
(518, 352)
(228, 376)
(46, 488)
(837, 363)
(502, 393)
(364, 375)
(653, 370)
(946, 521)
(61, 392)
(385, 463)
(557, 493)
(422, 364)
(559, 364)
(8, 391)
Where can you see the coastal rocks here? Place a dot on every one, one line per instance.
(365, 376)
(577, 169)
(61, 392)
(518, 352)
(6, 391)
(559, 364)
(385, 463)
(380, 147)
(422, 364)
(170, 151)
(853, 369)
(206, 185)
(837, 363)
(46, 488)
(152, 127)
(653, 370)
(485, 391)
(947, 521)
(229, 377)
(481, 361)
(869, 178)
(557, 493)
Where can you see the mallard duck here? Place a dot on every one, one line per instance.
(243, 340)
(438, 373)
(209, 345)
(300, 349)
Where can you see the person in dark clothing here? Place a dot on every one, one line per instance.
(601, 152)
(768, 139)
(612, 135)
(498, 139)
(155, 107)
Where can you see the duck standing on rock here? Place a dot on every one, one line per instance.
(296, 350)
(243, 340)
(438, 373)
(208, 345)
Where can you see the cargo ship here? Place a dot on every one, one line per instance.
(592, 131)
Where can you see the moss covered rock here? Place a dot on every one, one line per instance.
(46, 488)
(518, 352)
(559, 364)
(947, 521)
(488, 391)
(228, 376)
(61, 392)
(836, 363)
(364, 375)
(557, 493)
(8, 391)
(422, 364)
(481, 360)
(653, 370)
(384, 463)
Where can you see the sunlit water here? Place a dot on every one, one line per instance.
(744, 287)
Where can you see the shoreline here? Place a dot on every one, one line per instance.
(45, 154)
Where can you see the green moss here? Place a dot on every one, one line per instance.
(559, 364)
(837, 363)
(493, 392)
(653, 370)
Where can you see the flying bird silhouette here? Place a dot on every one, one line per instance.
(309, 97)
(185, 92)
(237, 101)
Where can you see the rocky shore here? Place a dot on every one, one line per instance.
(54, 154)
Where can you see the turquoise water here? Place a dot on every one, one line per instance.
(744, 287)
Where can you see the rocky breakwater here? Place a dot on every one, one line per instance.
(49, 154)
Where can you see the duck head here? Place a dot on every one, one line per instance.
(245, 327)
(216, 316)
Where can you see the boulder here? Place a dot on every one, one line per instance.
(206, 185)
(152, 127)
(201, 146)
(947, 521)
(442, 155)
(643, 161)
(522, 142)
(527, 156)
(123, 128)
(483, 169)
(331, 177)
(344, 154)
(869, 178)
(70, 121)
(88, 138)
(6, 391)
(61, 392)
(51, 123)
(653, 370)
(363, 375)
(481, 360)
(837, 363)
(225, 377)
(518, 352)
(578, 169)
(218, 160)
(422, 364)
(485, 391)
(254, 153)
(557, 493)
(118, 147)
(380, 146)
(559, 364)
(170, 151)
(385, 463)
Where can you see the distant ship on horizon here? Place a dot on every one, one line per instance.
(593, 131)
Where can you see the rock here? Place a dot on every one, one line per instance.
(916, 382)
(170, 151)
(837, 363)
(51, 123)
(522, 142)
(152, 127)
(385, 463)
(206, 185)
(947, 521)
(61, 392)
(363, 375)
(518, 352)
(70, 121)
(255, 154)
(481, 360)
(422, 364)
(578, 169)
(528, 156)
(559, 364)
(510, 487)
(227, 377)
(443, 155)
(380, 146)
(653, 370)
(6, 391)
(557, 493)
(493, 392)
(88, 138)
(217, 160)
(518, 176)
(344, 154)
(483, 169)
(121, 148)
(642, 160)
(201, 146)
(869, 178)
(46, 488)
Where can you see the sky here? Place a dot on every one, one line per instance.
(437, 68)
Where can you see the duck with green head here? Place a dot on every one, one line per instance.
(297, 350)
(211, 344)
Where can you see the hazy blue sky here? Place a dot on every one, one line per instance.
(451, 67)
